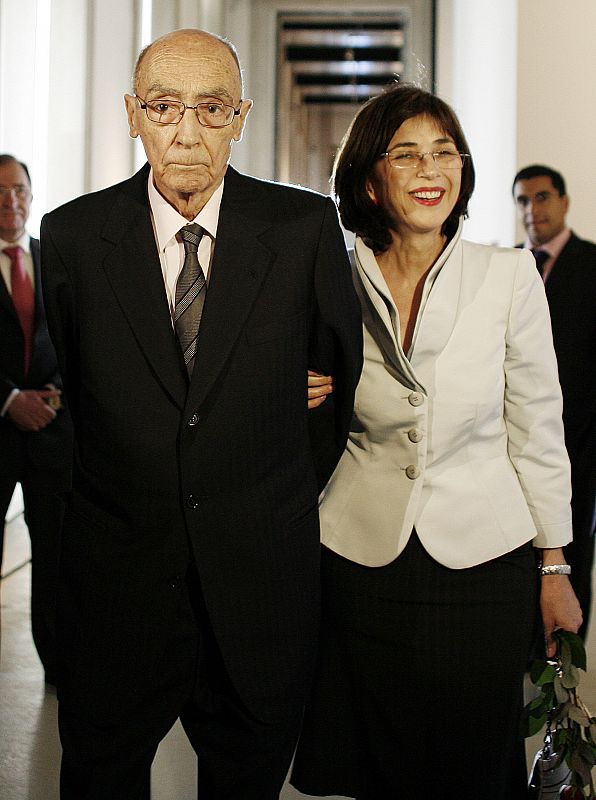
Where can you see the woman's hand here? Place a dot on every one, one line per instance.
(319, 386)
(559, 605)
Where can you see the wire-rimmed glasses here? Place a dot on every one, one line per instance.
(409, 159)
(212, 114)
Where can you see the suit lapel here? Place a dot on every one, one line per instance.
(134, 272)
(557, 283)
(241, 261)
(34, 246)
(6, 302)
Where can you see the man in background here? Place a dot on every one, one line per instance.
(187, 304)
(568, 268)
(35, 435)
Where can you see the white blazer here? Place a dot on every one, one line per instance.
(462, 439)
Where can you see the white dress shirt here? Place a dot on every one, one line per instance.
(166, 224)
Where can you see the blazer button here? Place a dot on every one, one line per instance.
(192, 502)
(415, 435)
(412, 472)
(416, 399)
(193, 420)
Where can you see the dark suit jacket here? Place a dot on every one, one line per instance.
(224, 472)
(571, 292)
(49, 448)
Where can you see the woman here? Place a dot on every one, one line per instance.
(454, 475)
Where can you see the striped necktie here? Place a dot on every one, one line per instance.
(190, 295)
(23, 299)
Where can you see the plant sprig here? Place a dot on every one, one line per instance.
(574, 739)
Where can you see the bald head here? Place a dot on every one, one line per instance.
(186, 37)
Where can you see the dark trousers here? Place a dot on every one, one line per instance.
(238, 756)
(580, 552)
(43, 516)
(419, 687)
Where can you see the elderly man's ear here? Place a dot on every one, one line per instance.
(131, 104)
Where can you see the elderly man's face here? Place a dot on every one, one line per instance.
(540, 208)
(15, 201)
(189, 160)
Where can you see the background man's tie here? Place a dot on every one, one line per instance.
(23, 298)
(541, 257)
(190, 295)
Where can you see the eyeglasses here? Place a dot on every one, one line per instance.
(21, 191)
(407, 159)
(170, 112)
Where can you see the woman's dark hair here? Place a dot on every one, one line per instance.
(367, 139)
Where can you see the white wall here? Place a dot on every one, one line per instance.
(557, 98)
(24, 62)
(476, 74)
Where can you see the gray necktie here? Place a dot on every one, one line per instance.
(190, 295)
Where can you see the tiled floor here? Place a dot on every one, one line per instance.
(29, 746)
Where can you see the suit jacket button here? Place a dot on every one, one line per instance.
(415, 435)
(412, 472)
(193, 420)
(192, 502)
(415, 399)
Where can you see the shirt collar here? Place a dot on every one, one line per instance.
(22, 241)
(554, 246)
(167, 221)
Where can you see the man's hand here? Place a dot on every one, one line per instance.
(319, 386)
(29, 411)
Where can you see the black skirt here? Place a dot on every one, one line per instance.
(419, 686)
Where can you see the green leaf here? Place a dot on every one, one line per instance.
(580, 768)
(537, 668)
(577, 715)
(576, 647)
(560, 741)
(547, 675)
(565, 655)
(561, 693)
(588, 752)
(538, 706)
(533, 725)
(570, 677)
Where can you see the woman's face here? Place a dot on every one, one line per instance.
(420, 198)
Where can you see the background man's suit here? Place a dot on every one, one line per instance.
(570, 290)
(39, 460)
(220, 475)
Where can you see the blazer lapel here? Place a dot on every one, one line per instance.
(134, 272)
(440, 306)
(240, 263)
(379, 314)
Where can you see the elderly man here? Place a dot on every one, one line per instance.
(568, 267)
(186, 305)
(35, 435)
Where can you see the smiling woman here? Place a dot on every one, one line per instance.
(433, 516)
